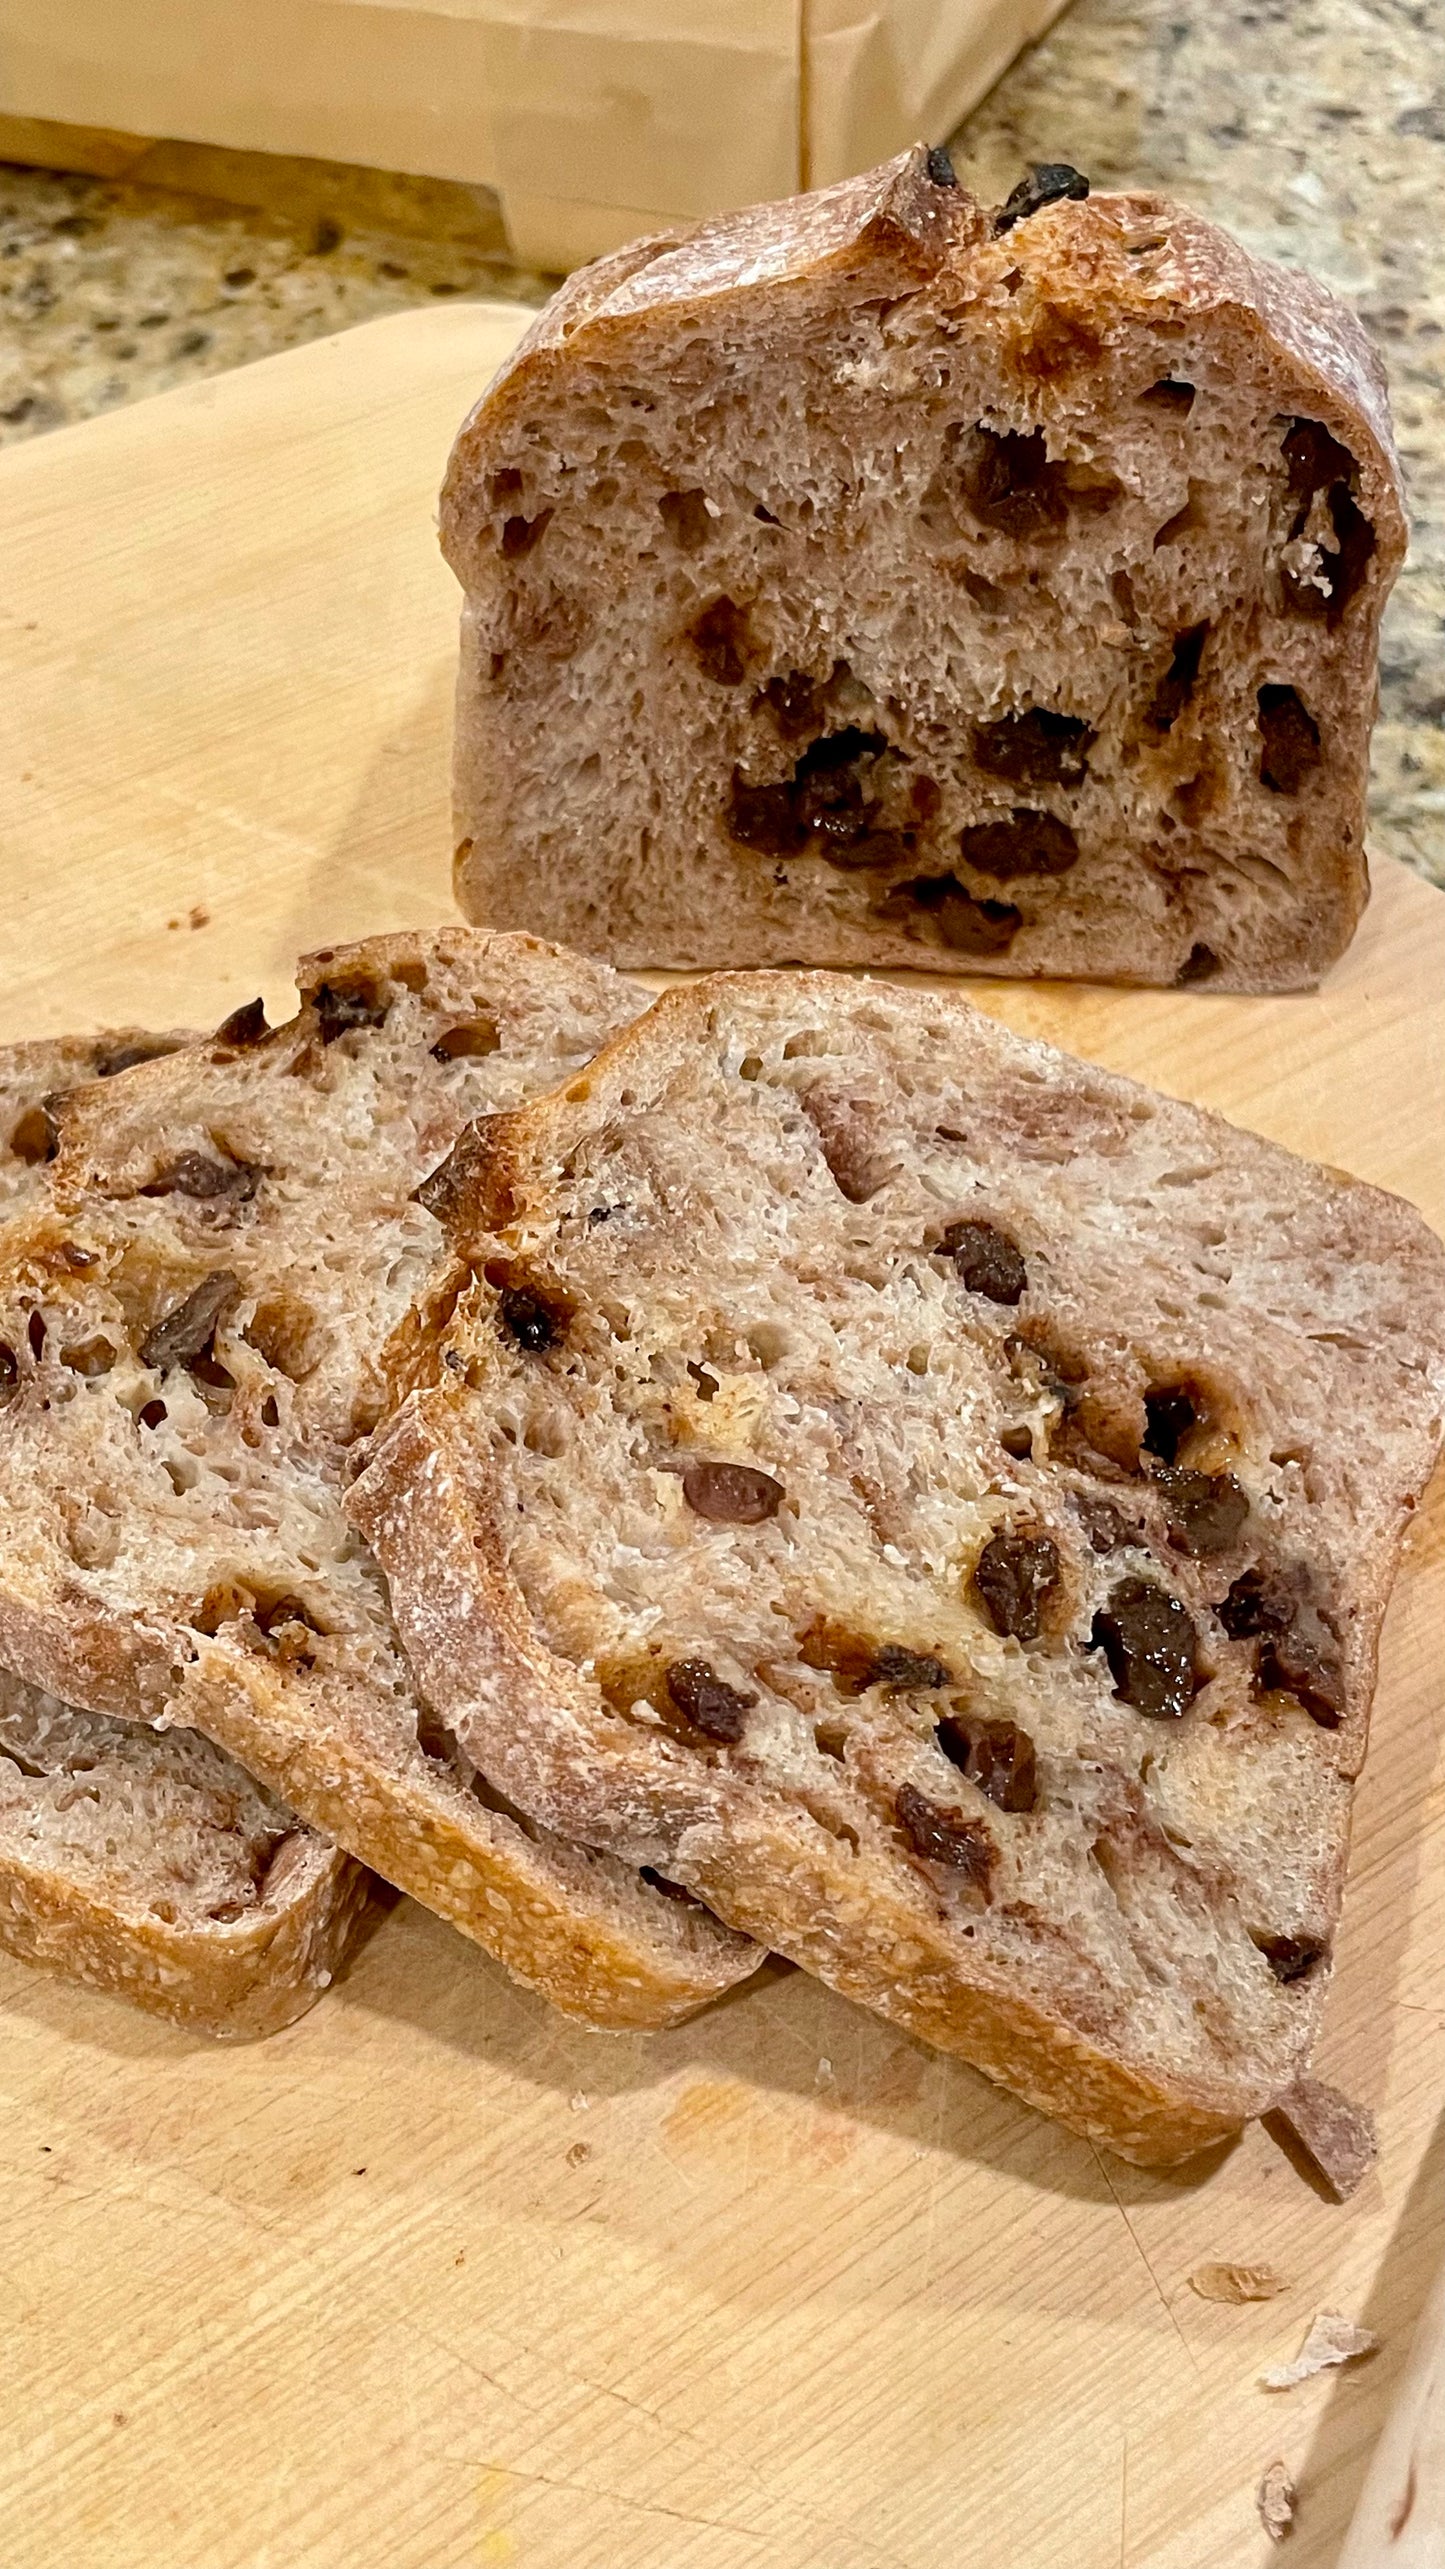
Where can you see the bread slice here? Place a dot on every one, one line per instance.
(149, 1866)
(197, 1321)
(867, 579)
(937, 1501)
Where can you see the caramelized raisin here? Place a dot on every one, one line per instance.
(1026, 843)
(244, 1026)
(340, 1007)
(184, 1334)
(1206, 1510)
(1304, 1660)
(995, 1756)
(206, 1180)
(1014, 1580)
(988, 1261)
(731, 1493)
(946, 1837)
(855, 1663)
(1149, 1641)
(706, 1702)
(1034, 748)
(1106, 1528)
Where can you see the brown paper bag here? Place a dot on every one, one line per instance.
(594, 119)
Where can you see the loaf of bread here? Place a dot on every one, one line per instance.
(148, 1864)
(870, 579)
(936, 1500)
(199, 1318)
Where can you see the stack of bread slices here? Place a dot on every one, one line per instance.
(786, 1464)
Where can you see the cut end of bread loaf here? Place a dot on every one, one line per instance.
(150, 1866)
(855, 582)
(210, 1295)
(937, 1501)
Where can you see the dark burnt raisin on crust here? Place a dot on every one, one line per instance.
(1026, 843)
(731, 1493)
(706, 1702)
(1044, 183)
(1015, 1577)
(1035, 747)
(205, 1180)
(1205, 1512)
(1290, 1957)
(183, 1334)
(996, 1756)
(1148, 1640)
(965, 925)
(342, 1006)
(943, 1836)
(940, 167)
(1289, 740)
(987, 1260)
(244, 1026)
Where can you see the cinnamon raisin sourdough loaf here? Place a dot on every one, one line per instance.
(866, 579)
(936, 1500)
(197, 1320)
(148, 1865)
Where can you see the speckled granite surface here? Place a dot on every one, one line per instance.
(1314, 128)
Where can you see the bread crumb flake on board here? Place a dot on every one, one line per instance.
(1237, 2283)
(1331, 2340)
(1336, 2136)
(1275, 2499)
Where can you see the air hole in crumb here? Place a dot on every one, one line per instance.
(1172, 394)
(686, 516)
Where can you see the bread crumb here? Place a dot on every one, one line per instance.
(1337, 2137)
(579, 2154)
(578, 2102)
(1331, 2340)
(1237, 2283)
(1275, 2499)
(198, 917)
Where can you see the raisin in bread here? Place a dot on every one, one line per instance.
(937, 1501)
(865, 580)
(196, 1322)
(150, 1866)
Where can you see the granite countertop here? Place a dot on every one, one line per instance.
(1314, 128)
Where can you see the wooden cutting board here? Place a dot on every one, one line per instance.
(432, 2281)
